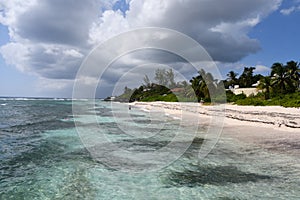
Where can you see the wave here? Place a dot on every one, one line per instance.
(33, 99)
(39, 126)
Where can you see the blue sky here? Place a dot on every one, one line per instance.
(278, 37)
(13, 82)
(42, 47)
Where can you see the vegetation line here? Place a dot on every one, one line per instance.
(281, 87)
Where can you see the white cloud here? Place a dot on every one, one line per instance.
(288, 10)
(235, 29)
(261, 69)
(74, 53)
(221, 27)
(15, 54)
(50, 38)
(293, 8)
(110, 24)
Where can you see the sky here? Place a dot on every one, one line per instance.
(44, 42)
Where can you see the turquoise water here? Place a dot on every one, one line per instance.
(42, 157)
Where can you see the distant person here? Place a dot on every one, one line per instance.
(129, 107)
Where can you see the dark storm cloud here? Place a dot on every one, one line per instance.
(60, 22)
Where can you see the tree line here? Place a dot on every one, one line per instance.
(283, 79)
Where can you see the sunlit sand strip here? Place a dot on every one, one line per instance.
(268, 116)
(271, 126)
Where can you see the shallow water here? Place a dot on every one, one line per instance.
(42, 157)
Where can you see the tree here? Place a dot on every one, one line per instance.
(137, 94)
(170, 78)
(203, 85)
(127, 90)
(165, 77)
(247, 78)
(232, 78)
(281, 79)
(196, 82)
(147, 81)
(266, 86)
(293, 71)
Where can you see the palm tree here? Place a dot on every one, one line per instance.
(232, 78)
(266, 86)
(293, 71)
(188, 90)
(203, 84)
(247, 78)
(280, 77)
(196, 85)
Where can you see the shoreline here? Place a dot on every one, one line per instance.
(268, 116)
(267, 127)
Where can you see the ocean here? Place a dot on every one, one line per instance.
(48, 153)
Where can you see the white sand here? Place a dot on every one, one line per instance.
(267, 125)
(263, 116)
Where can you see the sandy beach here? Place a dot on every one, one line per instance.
(271, 127)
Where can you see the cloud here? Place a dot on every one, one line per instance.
(58, 22)
(261, 69)
(294, 6)
(290, 10)
(15, 54)
(50, 38)
(221, 27)
(53, 87)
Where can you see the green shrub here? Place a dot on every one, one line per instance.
(231, 97)
(251, 101)
(288, 100)
(169, 98)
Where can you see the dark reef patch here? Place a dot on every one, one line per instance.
(211, 175)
